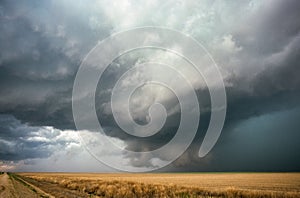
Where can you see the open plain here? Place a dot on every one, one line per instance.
(150, 185)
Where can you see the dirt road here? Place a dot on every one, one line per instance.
(56, 190)
(10, 188)
(14, 186)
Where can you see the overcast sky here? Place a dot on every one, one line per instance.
(254, 43)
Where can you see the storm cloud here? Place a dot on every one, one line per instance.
(255, 45)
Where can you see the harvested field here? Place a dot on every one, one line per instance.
(167, 184)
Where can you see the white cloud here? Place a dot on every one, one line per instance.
(28, 148)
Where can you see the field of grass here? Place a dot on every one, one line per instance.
(170, 185)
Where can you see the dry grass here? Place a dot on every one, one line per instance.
(177, 185)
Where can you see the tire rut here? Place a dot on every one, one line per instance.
(56, 190)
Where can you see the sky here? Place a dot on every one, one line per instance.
(255, 45)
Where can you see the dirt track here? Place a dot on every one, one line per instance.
(10, 188)
(13, 186)
(56, 190)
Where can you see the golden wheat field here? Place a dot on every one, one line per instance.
(166, 184)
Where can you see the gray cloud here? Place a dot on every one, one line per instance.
(256, 45)
(20, 141)
(44, 148)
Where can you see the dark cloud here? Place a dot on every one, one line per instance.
(41, 49)
(272, 28)
(255, 44)
(20, 142)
